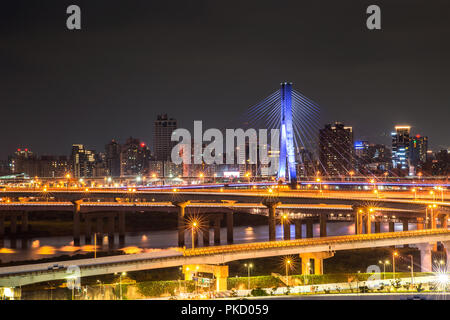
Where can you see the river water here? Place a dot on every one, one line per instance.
(46, 247)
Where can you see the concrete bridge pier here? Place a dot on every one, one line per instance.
(217, 230)
(76, 223)
(99, 229)
(230, 227)
(181, 205)
(316, 266)
(111, 226)
(298, 229)
(391, 226)
(272, 206)
(87, 229)
(24, 222)
(368, 223)
(358, 214)
(444, 221)
(446, 245)
(377, 227)
(309, 228)
(13, 224)
(323, 225)
(286, 230)
(425, 257)
(220, 274)
(122, 230)
(405, 228)
(420, 223)
(205, 232)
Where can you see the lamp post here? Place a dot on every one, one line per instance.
(394, 254)
(249, 266)
(384, 267)
(412, 268)
(288, 264)
(194, 226)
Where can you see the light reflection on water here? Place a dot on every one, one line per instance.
(45, 247)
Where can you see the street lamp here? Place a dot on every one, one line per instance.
(194, 226)
(394, 254)
(288, 264)
(249, 266)
(384, 267)
(415, 193)
(120, 283)
(283, 221)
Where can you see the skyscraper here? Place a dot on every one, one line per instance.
(82, 161)
(336, 149)
(418, 150)
(134, 158)
(400, 147)
(112, 158)
(163, 129)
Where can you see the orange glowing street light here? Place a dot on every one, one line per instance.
(394, 254)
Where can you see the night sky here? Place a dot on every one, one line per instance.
(210, 60)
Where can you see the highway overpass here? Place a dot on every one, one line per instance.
(219, 255)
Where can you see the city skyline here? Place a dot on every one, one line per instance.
(112, 77)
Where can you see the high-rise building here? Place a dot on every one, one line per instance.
(134, 158)
(400, 147)
(336, 149)
(164, 126)
(112, 158)
(418, 150)
(82, 161)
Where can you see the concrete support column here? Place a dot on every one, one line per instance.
(358, 221)
(317, 264)
(194, 232)
(230, 227)
(87, 229)
(420, 224)
(217, 230)
(122, 227)
(306, 265)
(24, 222)
(13, 224)
(405, 228)
(391, 226)
(298, 229)
(405, 224)
(309, 228)
(181, 223)
(425, 257)
(76, 223)
(272, 206)
(99, 229)
(286, 230)
(323, 225)
(444, 221)
(377, 226)
(446, 245)
(433, 216)
(368, 224)
(205, 232)
(111, 219)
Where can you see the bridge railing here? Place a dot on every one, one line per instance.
(309, 242)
